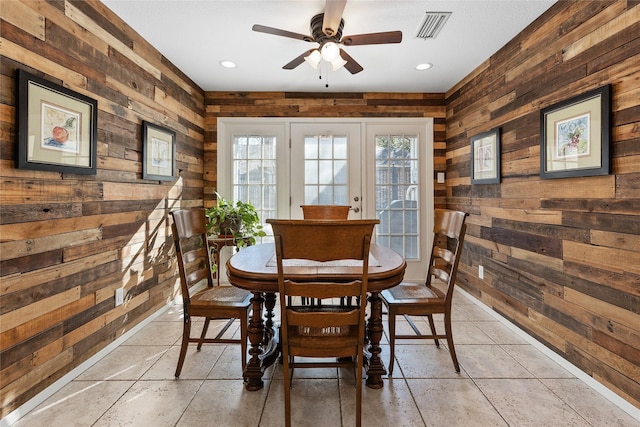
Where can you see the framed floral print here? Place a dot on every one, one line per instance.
(158, 152)
(575, 136)
(485, 157)
(57, 127)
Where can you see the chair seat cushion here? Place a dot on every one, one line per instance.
(413, 292)
(223, 295)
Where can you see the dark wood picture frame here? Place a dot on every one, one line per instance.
(575, 136)
(158, 152)
(485, 157)
(57, 127)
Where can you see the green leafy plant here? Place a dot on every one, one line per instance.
(235, 219)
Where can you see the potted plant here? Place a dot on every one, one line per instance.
(235, 219)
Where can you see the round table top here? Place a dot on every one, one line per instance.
(253, 268)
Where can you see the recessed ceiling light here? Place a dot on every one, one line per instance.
(425, 66)
(228, 64)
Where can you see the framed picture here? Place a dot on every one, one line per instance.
(575, 136)
(57, 127)
(158, 152)
(485, 157)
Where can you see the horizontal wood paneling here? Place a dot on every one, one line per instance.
(561, 256)
(67, 241)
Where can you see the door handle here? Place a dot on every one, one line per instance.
(356, 209)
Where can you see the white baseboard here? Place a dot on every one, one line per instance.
(579, 373)
(14, 416)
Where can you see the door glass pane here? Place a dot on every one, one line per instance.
(340, 147)
(397, 193)
(326, 172)
(254, 173)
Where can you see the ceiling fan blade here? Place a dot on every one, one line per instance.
(352, 66)
(332, 16)
(297, 61)
(373, 38)
(279, 32)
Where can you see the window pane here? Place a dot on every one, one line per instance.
(397, 193)
(326, 178)
(340, 147)
(240, 148)
(340, 172)
(254, 148)
(311, 195)
(310, 172)
(269, 148)
(254, 173)
(269, 172)
(326, 195)
(325, 150)
(325, 168)
(340, 195)
(311, 147)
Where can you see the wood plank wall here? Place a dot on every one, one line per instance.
(68, 241)
(294, 104)
(94, 234)
(561, 257)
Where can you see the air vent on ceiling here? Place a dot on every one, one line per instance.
(431, 24)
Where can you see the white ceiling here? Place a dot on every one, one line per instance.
(195, 35)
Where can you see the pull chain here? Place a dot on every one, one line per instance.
(326, 85)
(320, 74)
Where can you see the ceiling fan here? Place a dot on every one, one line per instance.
(326, 30)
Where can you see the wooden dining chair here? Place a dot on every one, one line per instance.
(326, 213)
(411, 299)
(326, 331)
(201, 296)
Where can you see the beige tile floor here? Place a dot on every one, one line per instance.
(504, 381)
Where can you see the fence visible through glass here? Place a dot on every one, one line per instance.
(398, 193)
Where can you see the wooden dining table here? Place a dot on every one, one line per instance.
(253, 268)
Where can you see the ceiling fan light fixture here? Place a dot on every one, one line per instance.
(338, 63)
(313, 58)
(330, 51)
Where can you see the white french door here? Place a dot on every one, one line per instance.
(382, 168)
(326, 166)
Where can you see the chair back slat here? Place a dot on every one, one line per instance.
(190, 222)
(196, 277)
(321, 240)
(322, 290)
(449, 223)
(320, 319)
(326, 212)
(440, 274)
(445, 254)
(193, 255)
